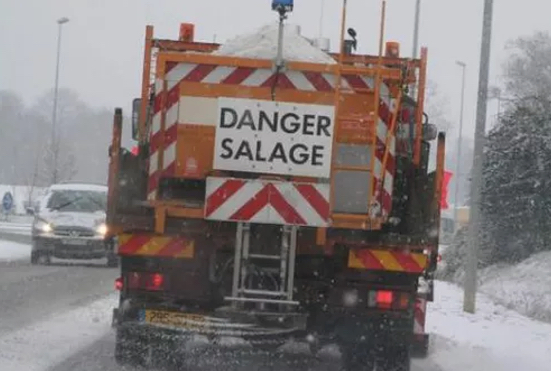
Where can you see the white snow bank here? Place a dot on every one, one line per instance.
(16, 228)
(22, 195)
(42, 345)
(262, 44)
(14, 251)
(493, 339)
(525, 287)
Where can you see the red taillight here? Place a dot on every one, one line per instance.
(155, 282)
(118, 284)
(384, 299)
(145, 281)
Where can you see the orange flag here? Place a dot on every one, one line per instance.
(444, 198)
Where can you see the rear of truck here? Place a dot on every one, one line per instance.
(271, 203)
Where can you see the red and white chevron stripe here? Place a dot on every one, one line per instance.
(168, 102)
(420, 313)
(267, 201)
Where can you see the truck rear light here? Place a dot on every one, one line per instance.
(155, 282)
(118, 284)
(384, 298)
(403, 301)
(146, 281)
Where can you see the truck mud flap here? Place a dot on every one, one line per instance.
(115, 319)
(420, 346)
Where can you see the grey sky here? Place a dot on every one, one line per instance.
(102, 44)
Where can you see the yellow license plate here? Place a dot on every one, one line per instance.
(184, 320)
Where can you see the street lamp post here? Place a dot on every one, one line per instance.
(458, 160)
(60, 23)
(416, 29)
(415, 40)
(476, 184)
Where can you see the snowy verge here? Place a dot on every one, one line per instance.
(524, 287)
(14, 251)
(16, 228)
(492, 339)
(42, 345)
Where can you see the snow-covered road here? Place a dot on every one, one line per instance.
(14, 227)
(57, 318)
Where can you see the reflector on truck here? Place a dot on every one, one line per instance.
(386, 260)
(151, 245)
(267, 201)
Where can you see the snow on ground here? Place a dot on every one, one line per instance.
(493, 339)
(40, 346)
(262, 44)
(14, 251)
(525, 287)
(17, 228)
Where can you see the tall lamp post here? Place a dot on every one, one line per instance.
(416, 28)
(415, 39)
(60, 23)
(476, 183)
(458, 160)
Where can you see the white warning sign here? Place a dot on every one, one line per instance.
(262, 136)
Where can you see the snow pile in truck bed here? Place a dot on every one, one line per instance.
(262, 44)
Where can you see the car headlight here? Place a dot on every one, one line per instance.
(101, 229)
(43, 226)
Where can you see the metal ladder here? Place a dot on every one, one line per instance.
(244, 259)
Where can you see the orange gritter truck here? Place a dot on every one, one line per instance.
(273, 199)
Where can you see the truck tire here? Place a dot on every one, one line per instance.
(356, 357)
(112, 260)
(40, 258)
(128, 349)
(394, 358)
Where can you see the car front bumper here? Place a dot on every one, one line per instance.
(71, 248)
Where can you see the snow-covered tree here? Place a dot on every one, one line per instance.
(516, 200)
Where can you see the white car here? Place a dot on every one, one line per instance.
(70, 224)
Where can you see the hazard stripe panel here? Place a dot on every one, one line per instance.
(420, 315)
(387, 260)
(267, 201)
(152, 245)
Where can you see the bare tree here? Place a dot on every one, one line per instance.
(58, 162)
(527, 71)
(437, 107)
(59, 159)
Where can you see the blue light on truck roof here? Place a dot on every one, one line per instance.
(287, 5)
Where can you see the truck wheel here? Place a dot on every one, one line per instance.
(128, 349)
(357, 357)
(112, 260)
(394, 358)
(40, 258)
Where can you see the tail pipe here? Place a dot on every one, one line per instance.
(114, 161)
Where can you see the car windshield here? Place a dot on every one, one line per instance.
(77, 200)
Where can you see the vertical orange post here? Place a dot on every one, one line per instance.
(420, 107)
(376, 105)
(145, 82)
(187, 32)
(439, 174)
(114, 160)
(321, 232)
